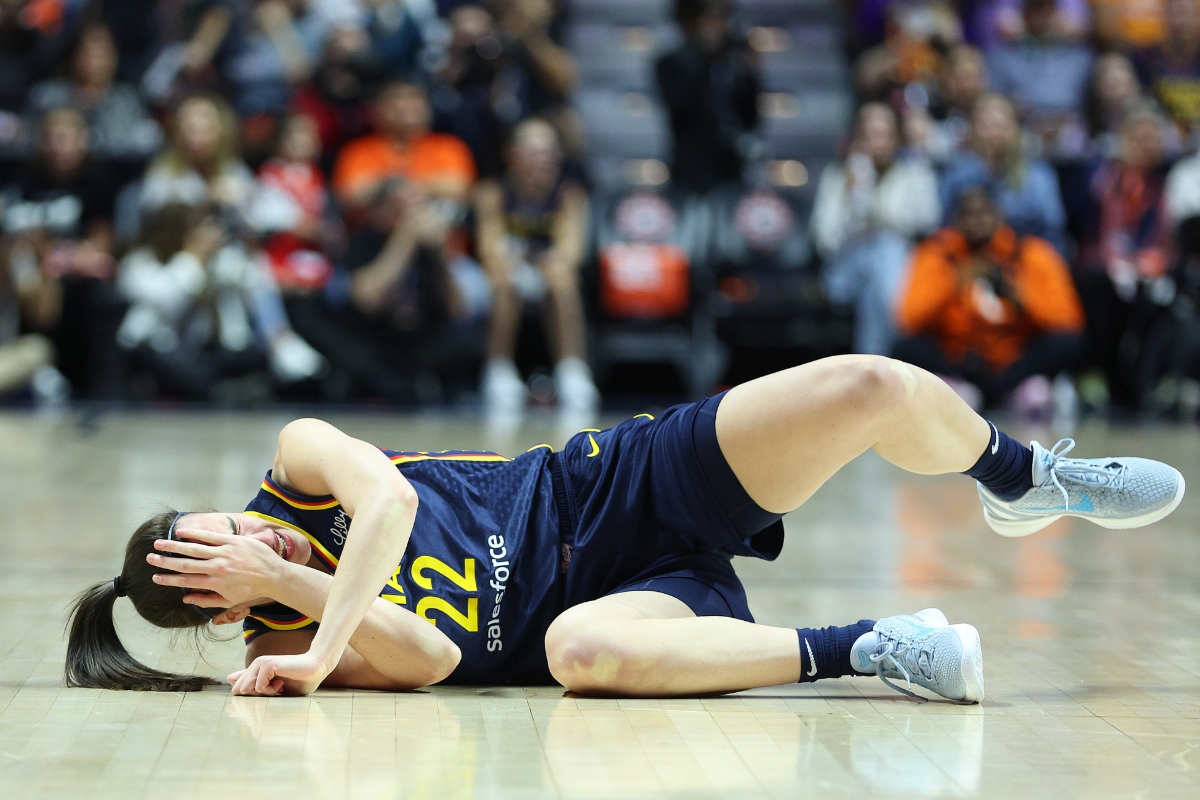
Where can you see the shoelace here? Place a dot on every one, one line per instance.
(908, 658)
(1076, 471)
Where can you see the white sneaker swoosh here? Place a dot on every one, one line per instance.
(812, 660)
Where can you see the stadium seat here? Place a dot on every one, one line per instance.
(637, 227)
(627, 124)
(805, 124)
(622, 12)
(619, 58)
(787, 12)
(800, 58)
(768, 290)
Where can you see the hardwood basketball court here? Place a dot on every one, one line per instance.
(1091, 645)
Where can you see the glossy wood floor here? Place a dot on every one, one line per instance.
(1091, 640)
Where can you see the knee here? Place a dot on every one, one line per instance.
(586, 660)
(878, 382)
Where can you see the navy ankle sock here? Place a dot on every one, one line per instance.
(825, 652)
(1006, 466)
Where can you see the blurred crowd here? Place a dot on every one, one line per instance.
(232, 200)
(236, 200)
(1018, 204)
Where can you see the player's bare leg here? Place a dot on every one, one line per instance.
(785, 434)
(651, 644)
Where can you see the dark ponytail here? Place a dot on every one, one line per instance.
(96, 658)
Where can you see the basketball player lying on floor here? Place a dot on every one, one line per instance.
(605, 566)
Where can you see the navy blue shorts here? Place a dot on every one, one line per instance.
(655, 506)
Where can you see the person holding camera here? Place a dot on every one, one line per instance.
(995, 314)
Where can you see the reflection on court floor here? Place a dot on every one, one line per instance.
(1091, 643)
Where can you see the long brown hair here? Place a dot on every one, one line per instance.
(96, 658)
(173, 157)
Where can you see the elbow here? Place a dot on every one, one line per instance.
(404, 499)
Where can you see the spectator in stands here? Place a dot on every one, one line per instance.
(119, 124)
(534, 220)
(58, 213)
(497, 74)
(993, 312)
(541, 72)
(916, 36)
(993, 22)
(1125, 253)
(1046, 76)
(463, 99)
(30, 301)
(27, 54)
(200, 168)
(867, 213)
(169, 327)
(336, 97)
(297, 247)
(943, 131)
(1113, 92)
(403, 147)
(395, 35)
(1171, 69)
(1026, 189)
(266, 49)
(1127, 24)
(406, 333)
(710, 87)
(137, 28)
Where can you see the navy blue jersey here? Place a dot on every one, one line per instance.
(500, 547)
(482, 563)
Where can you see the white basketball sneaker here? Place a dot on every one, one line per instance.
(924, 649)
(1111, 492)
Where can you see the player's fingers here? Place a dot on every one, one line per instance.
(184, 580)
(234, 676)
(203, 536)
(206, 599)
(179, 564)
(189, 549)
(277, 686)
(245, 683)
(266, 673)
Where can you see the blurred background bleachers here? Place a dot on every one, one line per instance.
(559, 201)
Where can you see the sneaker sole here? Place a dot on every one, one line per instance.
(1024, 527)
(972, 663)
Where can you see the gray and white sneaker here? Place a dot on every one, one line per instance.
(924, 649)
(1111, 492)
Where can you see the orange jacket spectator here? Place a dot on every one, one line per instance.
(951, 298)
(403, 147)
(427, 160)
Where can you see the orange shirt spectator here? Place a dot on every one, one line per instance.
(403, 148)
(429, 159)
(952, 298)
(1129, 23)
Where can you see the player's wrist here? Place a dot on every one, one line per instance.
(276, 577)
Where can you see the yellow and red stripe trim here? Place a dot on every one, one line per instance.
(324, 555)
(295, 625)
(449, 455)
(296, 501)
